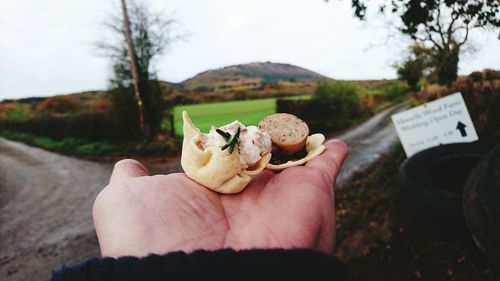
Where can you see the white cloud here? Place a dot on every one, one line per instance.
(46, 47)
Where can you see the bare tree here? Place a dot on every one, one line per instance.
(140, 36)
(135, 73)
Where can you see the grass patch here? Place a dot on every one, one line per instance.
(301, 97)
(162, 146)
(248, 112)
(66, 145)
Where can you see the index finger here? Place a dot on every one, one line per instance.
(330, 161)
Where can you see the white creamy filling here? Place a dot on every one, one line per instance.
(253, 143)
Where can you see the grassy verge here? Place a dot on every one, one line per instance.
(66, 145)
(249, 112)
(379, 242)
(105, 151)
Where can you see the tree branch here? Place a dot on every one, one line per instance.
(440, 29)
(466, 36)
(449, 32)
(430, 38)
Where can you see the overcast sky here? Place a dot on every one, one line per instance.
(47, 47)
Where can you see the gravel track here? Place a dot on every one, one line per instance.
(46, 209)
(367, 142)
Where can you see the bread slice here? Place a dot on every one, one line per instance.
(287, 131)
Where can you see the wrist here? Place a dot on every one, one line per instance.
(224, 264)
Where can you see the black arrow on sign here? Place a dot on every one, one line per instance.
(461, 127)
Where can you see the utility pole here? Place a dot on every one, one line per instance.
(135, 73)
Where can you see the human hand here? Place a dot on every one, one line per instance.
(138, 214)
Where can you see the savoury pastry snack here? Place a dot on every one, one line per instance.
(226, 159)
(292, 145)
(229, 170)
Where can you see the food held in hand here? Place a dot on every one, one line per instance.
(287, 131)
(227, 158)
(292, 145)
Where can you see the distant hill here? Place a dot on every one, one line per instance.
(250, 74)
(260, 78)
(30, 100)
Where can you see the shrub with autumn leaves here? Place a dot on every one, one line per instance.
(58, 105)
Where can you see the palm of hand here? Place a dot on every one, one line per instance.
(143, 214)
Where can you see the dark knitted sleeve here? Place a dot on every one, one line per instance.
(221, 265)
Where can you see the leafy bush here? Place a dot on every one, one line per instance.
(412, 72)
(15, 112)
(58, 104)
(491, 74)
(86, 126)
(432, 92)
(476, 76)
(483, 104)
(395, 91)
(203, 89)
(94, 148)
(160, 147)
(102, 105)
(336, 103)
(333, 106)
(124, 110)
(67, 145)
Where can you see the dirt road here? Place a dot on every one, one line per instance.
(45, 209)
(368, 142)
(46, 199)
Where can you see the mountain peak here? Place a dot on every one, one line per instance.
(256, 71)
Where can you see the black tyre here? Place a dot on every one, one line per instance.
(481, 203)
(432, 182)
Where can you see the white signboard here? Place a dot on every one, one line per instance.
(442, 121)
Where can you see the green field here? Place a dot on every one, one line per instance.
(248, 112)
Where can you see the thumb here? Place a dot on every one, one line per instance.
(128, 168)
(331, 160)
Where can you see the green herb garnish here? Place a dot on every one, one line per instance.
(225, 135)
(232, 140)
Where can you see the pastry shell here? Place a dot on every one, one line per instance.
(314, 147)
(212, 167)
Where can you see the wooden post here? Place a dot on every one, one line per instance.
(135, 73)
